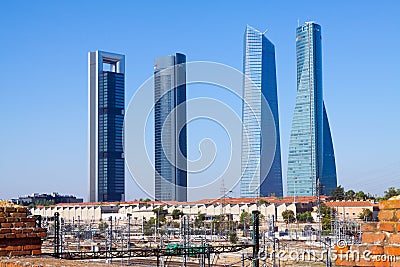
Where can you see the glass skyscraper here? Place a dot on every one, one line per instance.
(106, 118)
(261, 151)
(311, 155)
(170, 128)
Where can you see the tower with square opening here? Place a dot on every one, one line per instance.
(106, 119)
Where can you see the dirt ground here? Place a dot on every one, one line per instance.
(49, 262)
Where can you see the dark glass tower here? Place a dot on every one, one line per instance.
(261, 150)
(311, 154)
(106, 119)
(170, 128)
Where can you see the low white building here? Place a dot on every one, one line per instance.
(144, 210)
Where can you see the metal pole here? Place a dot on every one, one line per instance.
(274, 251)
(111, 237)
(91, 231)
(61, 234)
(79, 233)
(158, 220)
(212, 231)
(202, 253)
(57, 234)
(155, 232)
(279, 248)
(129, 231)
(319, 210)
(244, 227)
(256, 238)
(208, 256)
(329, 253)
(185, 230)
(143, 225)
(111, 233)
(327, 257)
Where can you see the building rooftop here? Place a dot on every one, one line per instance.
(351, 204)
(231, 201)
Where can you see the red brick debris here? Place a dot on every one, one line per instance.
(381, 239)
(18, 234)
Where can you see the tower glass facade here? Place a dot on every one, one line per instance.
(311, 156)
(170, 128)
(261, 152)
(106, 119)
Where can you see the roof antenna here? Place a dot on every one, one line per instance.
(298, 22)
(265, 31)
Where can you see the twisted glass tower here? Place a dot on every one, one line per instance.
(311, 161)
(170, 128)
(261, 151)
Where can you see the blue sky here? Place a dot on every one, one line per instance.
(43, 93)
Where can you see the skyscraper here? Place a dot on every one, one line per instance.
(261, 151)
(106, 117)
(311, 155)
(170, 128)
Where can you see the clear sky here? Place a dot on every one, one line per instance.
(43, 89)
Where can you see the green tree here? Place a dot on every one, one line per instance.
(160, 214)
(233, 237)
(245, 220)
(103, 225)
(360, 195)
(349, 195)
(366, 215)
(219, 223)
(337, 194)
(176, 214)
(199, 219)
(305, 217)
(148, 226)
(326, 214)
(288, 216)
(245, 217)
(263, 201)
(391, 192)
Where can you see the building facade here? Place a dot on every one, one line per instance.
(170, 128)
(145, 210)
(311, 161)
(261, 151)
(106, 118)
(46, 199)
